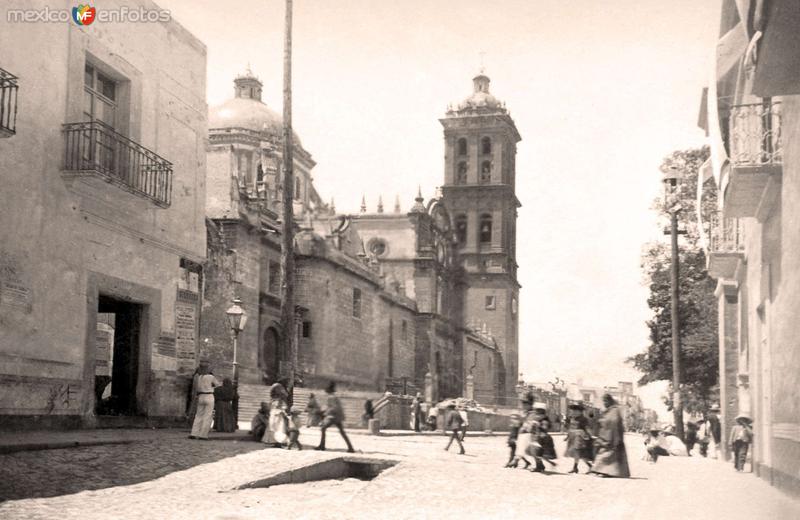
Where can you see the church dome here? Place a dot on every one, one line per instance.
(246, 110)
(480, 99)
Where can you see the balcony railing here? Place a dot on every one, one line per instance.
(96, 148)
(727, 234)
(755, 135)
(8, 104)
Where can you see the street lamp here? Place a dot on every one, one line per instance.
(237, 319)
(672, 180)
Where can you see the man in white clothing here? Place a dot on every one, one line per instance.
(205, 403)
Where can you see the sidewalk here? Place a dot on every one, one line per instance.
(11, 442)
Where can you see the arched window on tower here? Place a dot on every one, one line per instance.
(461, 173)
(461, 230)
(486, 145)
(462, 146)
(485, 229)
(297, 186)
(486, 172)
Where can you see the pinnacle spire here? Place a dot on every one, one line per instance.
(363, 204)
(380, 203)
(397, 203)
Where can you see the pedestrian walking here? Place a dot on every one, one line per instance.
(529, 418)
(579, 440)
(740, 439)
(715, 429)
(611, 459)
(453, 423)
(293, 420)
(313, 412)
(540, 446)
(334, 416)
(462, 411)
(513, 432)
(206, 382)
(276, 433)
(433, 414)
(260, 422)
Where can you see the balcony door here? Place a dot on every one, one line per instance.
(100, 105)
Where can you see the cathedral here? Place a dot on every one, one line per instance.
(423, 299)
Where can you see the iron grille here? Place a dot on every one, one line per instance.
(8, 103)
(94, 147)
(755, 134)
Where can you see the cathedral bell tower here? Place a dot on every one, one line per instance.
(479, 192)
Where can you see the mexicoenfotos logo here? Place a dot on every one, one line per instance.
(84, 14)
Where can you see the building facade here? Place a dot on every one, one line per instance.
(381, 296)
(102, 233)
(479, 192)
(753, 108)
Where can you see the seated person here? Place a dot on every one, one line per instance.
(258, 426)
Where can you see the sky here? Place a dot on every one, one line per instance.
(600, 90)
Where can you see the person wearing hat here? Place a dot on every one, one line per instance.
(514, 425)
(740, 439)
(453, 422)
(528, 417)
(334, 416)
(542, 447)
(611, 459)
(579, 440)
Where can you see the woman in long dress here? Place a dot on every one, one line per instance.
(611, 459)
(277, 433)
(579, 440)
(224, 397)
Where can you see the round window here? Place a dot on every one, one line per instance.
(377, 246)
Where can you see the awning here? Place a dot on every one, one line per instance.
(778, 60)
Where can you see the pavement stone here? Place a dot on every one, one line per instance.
(179, 478)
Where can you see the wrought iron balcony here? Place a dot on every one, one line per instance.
(756, 159)
(8, 104)
(93, 148)
(726, 247)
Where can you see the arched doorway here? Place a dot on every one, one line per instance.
(271, 354)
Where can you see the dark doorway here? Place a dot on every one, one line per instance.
(117, 356)
(271, 355)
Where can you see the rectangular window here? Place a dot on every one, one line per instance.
(100, 97)
(356, 303)
(274, 277)
(490, 303)
(306, 329)
(404, 331)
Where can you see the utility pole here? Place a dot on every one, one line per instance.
(677, 405)
(672, 202)
(287, 236)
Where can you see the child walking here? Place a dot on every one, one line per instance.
(293, 429)
(513, 433)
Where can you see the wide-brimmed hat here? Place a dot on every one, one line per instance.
(576, 406)
(744, 416)
(538, 405)
(714, 408)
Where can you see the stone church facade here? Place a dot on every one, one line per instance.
(419, 300)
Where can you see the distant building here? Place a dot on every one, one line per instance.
(102, 233)
(752, 114)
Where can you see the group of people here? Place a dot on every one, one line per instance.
(707, 434)
(277, 424)
(211, 401)
(604, 454)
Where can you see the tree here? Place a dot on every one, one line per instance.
(697, 304)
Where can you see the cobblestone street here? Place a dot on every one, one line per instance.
(179, 478)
